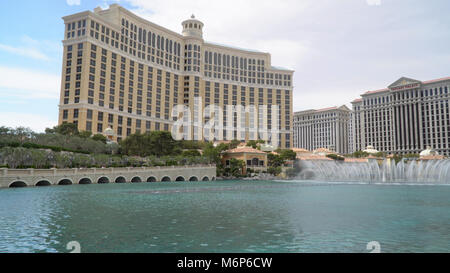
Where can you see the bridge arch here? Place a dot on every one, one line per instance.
(43, 183)
(166, 179)
(152, 179)
(213, 179)
(136, 179)
(120, 179)
(205, 178)
(193, 179)
(18, 184)
(65, 182)
(103, 180)
(85, 181)
(180, 179)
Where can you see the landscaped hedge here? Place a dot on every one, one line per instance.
(336, 157)
(29, 145)
(24, 158)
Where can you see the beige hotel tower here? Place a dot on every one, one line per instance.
(123, 72)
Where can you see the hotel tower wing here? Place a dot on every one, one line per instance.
(124, 73)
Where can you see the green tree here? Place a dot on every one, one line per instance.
(252, 143)
(213, 153)
(411, 156)
(287, 154)
(274, 160)
(67, 129)
(255, 143)
(359, 154)
(4, 130)
(136, 144)
(85, 134)
(274, 170)
(163, 144)
(336, 157)
(236, 167)
(100, 137)
(234, 143)
(158, 143)
(191, 153)
(192, 145)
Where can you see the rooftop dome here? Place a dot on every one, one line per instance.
(429, 151)
(267, 147)
(109, 132)
(371, 150)
(193, 28)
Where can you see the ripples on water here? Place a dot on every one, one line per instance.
(234, 216)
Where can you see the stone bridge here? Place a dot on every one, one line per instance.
(10, 178)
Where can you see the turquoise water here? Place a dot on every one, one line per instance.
(234, 216)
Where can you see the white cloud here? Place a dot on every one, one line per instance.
(373, 2)
(73, 2)
(29, 83)
(339, 49)
(25, 51)
(255, 24)
(31, 48)
(35, 122)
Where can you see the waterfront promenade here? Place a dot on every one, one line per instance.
(36, 177)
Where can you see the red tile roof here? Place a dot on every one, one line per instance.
(355, 160)
(327, 109)
(425, 82)
(248, 150)
(300, 150)
(376, 91)
(313, 157)
(437, 80)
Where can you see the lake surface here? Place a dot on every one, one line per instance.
(232, 216)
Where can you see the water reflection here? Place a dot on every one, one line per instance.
(224, 217)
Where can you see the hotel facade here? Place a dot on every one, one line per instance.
(325, 128)
(124, 73)
(404, 118)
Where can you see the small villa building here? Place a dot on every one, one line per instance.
(371, 150)
(253, 158)
(322, 152)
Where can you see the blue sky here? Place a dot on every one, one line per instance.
(339, 48)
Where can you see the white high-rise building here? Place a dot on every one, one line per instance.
(324, 128)
(404, 118)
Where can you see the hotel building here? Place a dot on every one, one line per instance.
(351, 134)
(123, 72)
(324, 128)
(404, 118)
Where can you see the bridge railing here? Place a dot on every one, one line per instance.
(91, 171)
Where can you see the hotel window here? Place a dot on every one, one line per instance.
(99, 128)
(88, 126)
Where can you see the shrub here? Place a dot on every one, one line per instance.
(336, 157)
(274, 170)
